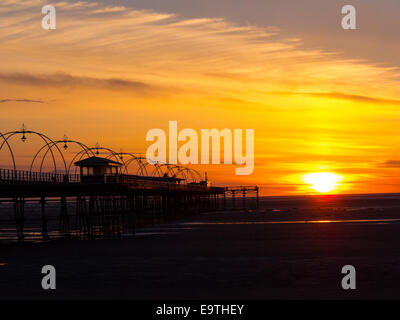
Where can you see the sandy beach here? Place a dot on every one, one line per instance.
(286, 250)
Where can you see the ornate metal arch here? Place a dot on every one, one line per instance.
(133, 158)
(10, 149)
(85, 149)
(196, 176)
(7, 136)
(159, 169)
(170, 168)
(111, 152)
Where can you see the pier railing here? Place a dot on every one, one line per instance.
(153, 183)
(8, 176)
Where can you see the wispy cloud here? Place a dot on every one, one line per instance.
(340, 95)
(163, 49)
(110, 10)
(21, 100)
(64, 79)
(352, 97)
(390, 164)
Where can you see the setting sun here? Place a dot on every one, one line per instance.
(323, 181)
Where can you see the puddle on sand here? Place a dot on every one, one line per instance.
(369, 221)
(151, 233)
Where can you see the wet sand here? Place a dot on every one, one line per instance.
(231, 255)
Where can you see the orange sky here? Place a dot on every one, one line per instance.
(109, 74)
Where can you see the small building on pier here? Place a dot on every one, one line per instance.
(96, 169)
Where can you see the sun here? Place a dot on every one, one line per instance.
(323, 181)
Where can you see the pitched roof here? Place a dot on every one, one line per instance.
(96, 161)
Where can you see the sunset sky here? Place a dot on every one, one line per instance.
(319, 98)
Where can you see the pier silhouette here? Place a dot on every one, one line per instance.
(96, 192)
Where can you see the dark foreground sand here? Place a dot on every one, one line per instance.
(226, 256)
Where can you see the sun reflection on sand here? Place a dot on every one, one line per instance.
(294, 222)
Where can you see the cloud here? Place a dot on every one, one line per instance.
(360, 98)
(64, 79)
(340, 95)
(163, 48)
(110, 9)
(390, 164)
(21, 100)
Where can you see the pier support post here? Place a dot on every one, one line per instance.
(19, 207)
(64, 219)
(257, 198)
(81, 215)
(45, 235)
(224, 200)
(131, 214)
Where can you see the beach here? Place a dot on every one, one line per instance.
(290, 248)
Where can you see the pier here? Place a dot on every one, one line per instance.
(96, 192)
